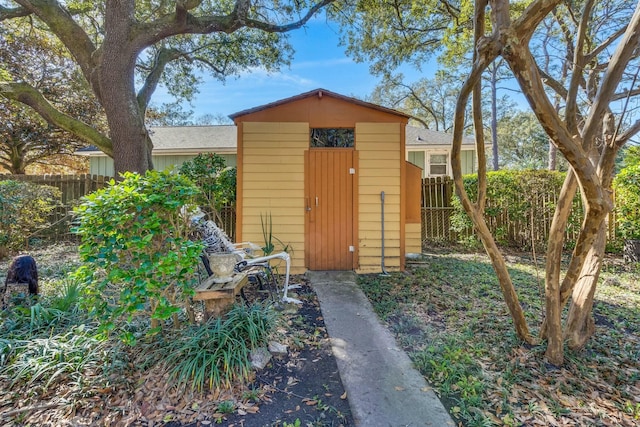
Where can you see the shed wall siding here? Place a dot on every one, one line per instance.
(413, 238)
(379, 151)
(273, 184)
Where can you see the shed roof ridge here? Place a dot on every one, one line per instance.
(318, 92)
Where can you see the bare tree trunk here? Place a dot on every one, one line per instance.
(476, 211)
(580, 325)
(551, 328)
(553, 157)
(494, 117)
(131, 141)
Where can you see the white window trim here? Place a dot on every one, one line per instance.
(426, 157)
(437, 153)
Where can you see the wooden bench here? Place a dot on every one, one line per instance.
(219, 297)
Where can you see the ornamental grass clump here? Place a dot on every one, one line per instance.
(217, 354)
(138, 260)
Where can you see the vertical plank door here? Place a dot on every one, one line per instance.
(329, 203)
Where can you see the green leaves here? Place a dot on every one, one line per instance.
(514, 198)
(627, 187)
(24, 208)
(217, 353)
(138, 258)
(216, 181)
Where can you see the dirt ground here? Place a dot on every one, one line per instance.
(303, 386)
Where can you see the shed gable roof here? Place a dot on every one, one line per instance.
(318, 93)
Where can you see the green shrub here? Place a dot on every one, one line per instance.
(516, 200)
(627, 187)
(24, 209)
(216, 181)
(138, 260)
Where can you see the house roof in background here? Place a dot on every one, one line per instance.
(419, 137)
(195, 138)
(222, 139)
(169, 140)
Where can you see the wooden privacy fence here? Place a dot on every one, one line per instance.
(74, 187)
(437, 211)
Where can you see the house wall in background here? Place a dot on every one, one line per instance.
(103, 165)
(421, 157)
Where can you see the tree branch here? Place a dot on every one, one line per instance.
(163, 57)
(61, 23)
(624, 52)
(13, 12)
(531, 18)
(27, 95)
(605, 44)
(578, 66)
(554, 84)
(628, 134)
(183, 22)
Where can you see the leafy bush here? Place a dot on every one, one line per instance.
(516, 201)
(24, 208)
(137, 257)
(627, 187)
(216, 181)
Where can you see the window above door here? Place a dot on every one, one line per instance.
(331, 137)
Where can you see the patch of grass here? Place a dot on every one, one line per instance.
(47, 361)
(449, 315)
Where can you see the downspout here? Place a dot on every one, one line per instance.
(384, 272)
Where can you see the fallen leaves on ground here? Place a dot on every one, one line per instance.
(448, 313)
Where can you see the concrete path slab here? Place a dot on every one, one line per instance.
(383, 387)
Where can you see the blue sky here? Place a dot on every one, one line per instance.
(318, 62)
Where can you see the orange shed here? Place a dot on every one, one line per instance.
(330, 173)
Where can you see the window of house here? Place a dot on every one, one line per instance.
(438, 164)
(332, 137)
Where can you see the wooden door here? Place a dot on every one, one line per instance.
(329, 219)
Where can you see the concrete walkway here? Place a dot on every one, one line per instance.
(383, 387)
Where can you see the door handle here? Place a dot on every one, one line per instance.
(316, 201)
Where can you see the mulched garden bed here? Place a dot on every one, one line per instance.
(302, 389)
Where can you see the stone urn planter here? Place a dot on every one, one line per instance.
(222, 265)
(631, 251)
